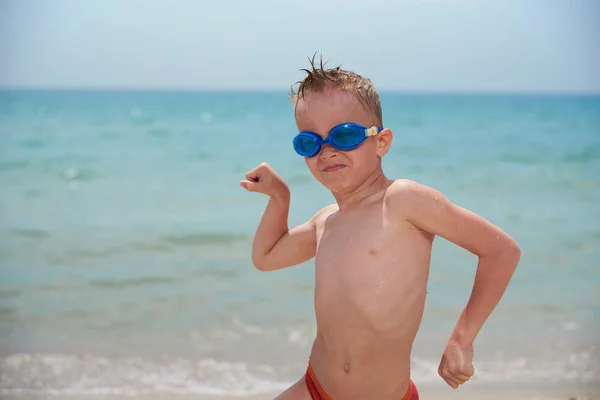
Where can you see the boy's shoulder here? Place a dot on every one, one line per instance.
(406, 195)
(409, 189)
(321, 215)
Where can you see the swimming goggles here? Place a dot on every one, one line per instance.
(346, 136)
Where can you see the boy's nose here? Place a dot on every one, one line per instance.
(328, 151)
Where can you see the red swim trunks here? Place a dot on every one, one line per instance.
(318, 393)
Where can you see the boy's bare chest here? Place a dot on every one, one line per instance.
(337, 242)
(353, 242)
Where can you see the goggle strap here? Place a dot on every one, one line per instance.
(372, 131)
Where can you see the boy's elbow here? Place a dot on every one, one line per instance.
(512, 253)
(514, 248)
(261, 264)
(517, 253)
(507, 253)
(262, 267)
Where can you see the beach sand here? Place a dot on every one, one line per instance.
(563, 396)
(436, 394)
(530, 396)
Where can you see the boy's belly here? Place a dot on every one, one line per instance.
(362, 367)
(380, 301)
(366, 324)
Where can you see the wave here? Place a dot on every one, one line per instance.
(157, 244)
(30, 233)
(204, 239)
(125, 283)
(14, 165)
(80, 375)
(590, 153)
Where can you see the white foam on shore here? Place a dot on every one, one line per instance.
(82, 375)
(75, 375)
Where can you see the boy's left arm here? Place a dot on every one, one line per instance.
(429, 210)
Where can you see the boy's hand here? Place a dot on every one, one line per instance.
(264, 179)
(456, 366)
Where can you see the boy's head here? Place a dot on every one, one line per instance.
(319, 80)
(328, 98)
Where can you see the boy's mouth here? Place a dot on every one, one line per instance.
(333, 167)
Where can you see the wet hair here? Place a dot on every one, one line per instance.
(319, 79)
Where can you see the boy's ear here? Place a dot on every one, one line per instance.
(384, 141)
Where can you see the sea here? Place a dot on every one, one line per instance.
(125, 238)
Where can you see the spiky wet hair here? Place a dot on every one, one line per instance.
(318, 79)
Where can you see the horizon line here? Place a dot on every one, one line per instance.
(272, 90)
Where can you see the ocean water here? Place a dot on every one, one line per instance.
(125, 239)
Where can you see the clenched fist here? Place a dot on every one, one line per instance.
(456, 366)
(264, 179)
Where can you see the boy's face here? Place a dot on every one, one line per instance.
(340, 171)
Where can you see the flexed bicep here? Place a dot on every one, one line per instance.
(294, 247)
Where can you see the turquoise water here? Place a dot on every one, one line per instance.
(125, 238)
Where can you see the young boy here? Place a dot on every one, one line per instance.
(372, 248)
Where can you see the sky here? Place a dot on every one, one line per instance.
(408, 45)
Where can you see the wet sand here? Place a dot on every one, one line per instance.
(437, 394)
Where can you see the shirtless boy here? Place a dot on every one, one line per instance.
(372, 249)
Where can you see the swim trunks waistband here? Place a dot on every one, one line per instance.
(318, 393)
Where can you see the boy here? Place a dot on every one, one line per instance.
(372, 248)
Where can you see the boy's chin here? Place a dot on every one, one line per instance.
(336, 182)
(338, 186)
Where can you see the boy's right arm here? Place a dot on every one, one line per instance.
(275, 246)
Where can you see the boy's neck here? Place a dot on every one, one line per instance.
(374, 185)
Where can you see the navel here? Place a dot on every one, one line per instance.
(346, 368)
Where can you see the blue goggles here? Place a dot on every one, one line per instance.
(346, 136)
